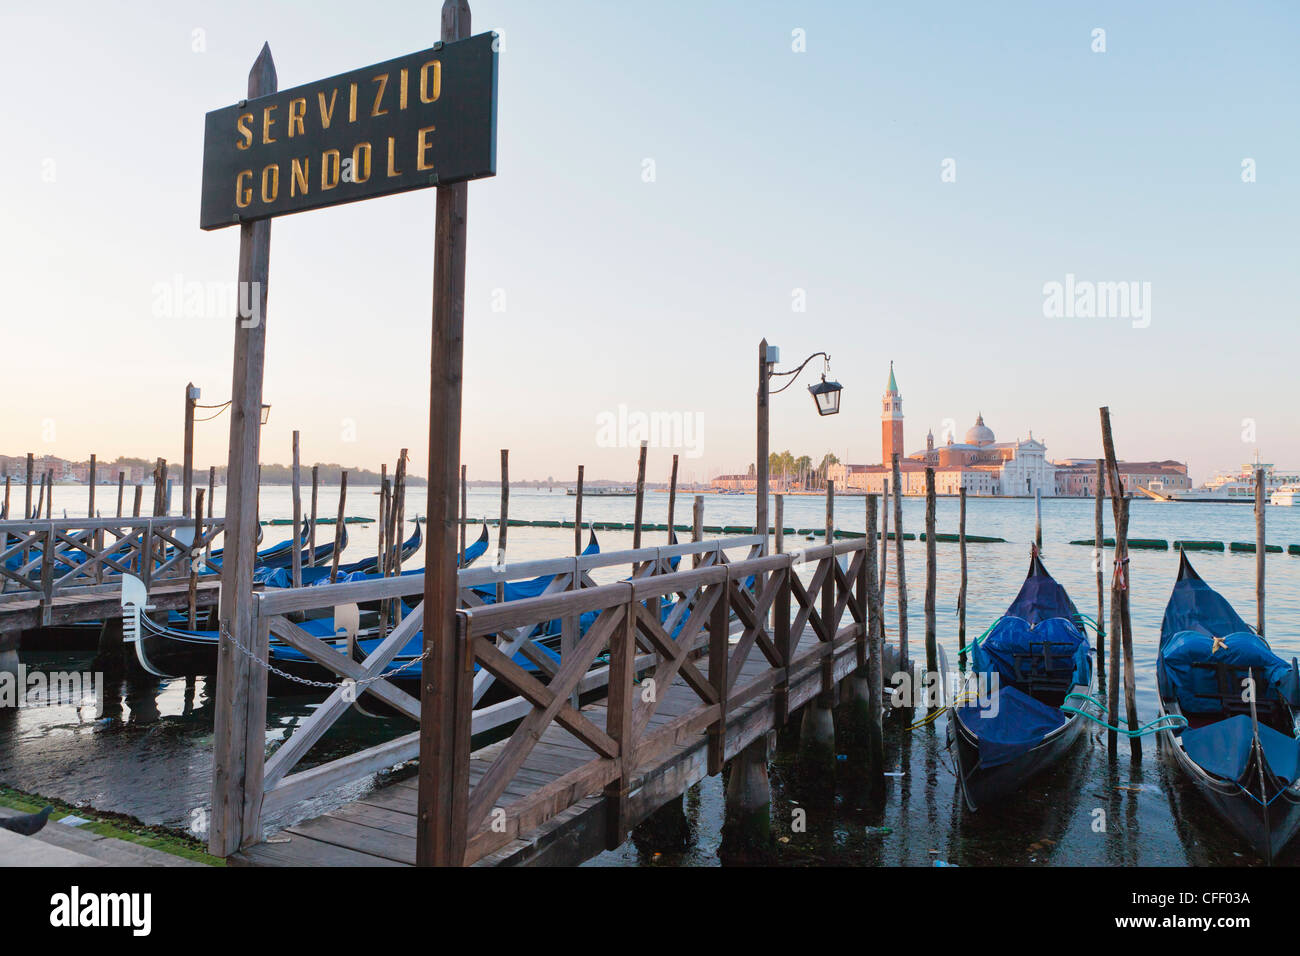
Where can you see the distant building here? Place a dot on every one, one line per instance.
(734, 483)
(1077, 477)
(979, 463)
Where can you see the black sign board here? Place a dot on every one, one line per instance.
(421, 120)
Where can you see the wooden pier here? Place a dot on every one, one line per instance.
(741, 645)
(81, 580)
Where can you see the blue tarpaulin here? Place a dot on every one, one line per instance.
(1053, 652)
(1223, 748)
(1197, 689)
(1016, 726)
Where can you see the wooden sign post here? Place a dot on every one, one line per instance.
(423, 120)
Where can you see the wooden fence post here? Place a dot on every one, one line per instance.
(240, 720)
(618, 723)
(828, 603)
(444, 780)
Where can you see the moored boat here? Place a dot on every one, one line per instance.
(1238, 749)
(1008, 724)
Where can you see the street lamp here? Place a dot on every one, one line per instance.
(826, 396)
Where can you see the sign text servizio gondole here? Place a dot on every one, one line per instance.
(420, 120)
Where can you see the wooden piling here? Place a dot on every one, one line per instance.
(90, 508)
(240, 717)
(672, 500)
(296, 558)
(1261, 550)
(40, 497)
(780, 524)
(577, 514)
(760, 458)
(505, 518)
(212, 487)
(876, 655)
(640, 496)
(121, 488)
(139, 501)
(1099, 532)
(160, 487)
(697, 523)
(827, 696)
(961, 590)
(899, 572)
(194, 574)
(1121, 625)
(464, 504)
(311, 542)
(338, 526)
(884, 534)
(27, 508)
(931, 577)
(1038, 519)
(187, 461)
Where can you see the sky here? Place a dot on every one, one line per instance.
(676, 181)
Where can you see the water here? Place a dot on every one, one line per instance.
(150, 754)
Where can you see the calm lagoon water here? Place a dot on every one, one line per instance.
(149, 755)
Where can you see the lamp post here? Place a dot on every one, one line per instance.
(826, 397)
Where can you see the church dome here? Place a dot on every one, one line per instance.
(979, 434)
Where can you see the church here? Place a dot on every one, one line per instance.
(979, 462)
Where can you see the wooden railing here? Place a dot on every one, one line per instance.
(273, 788)
(50, 559)
(625, 627)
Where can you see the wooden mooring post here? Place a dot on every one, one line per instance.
(27, 507)
(900, 574)
(1121, 624)
(672, 501)
(640, 496)
(194, 574)
(296, 557)
(961, 589)
(577, 514)
(1099, 564)
(121, 488)
(187, 460)
(1038, 519)
(504, 521)
(240, 720)
(1261, 550)
(311, 541)
(464, 505)
(338, 526)
(931, 577)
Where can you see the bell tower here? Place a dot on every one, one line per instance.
(891, 421)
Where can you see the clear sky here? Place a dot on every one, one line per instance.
(780, 176)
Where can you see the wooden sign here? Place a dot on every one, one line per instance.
(426, 119)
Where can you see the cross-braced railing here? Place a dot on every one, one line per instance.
(50, 559)
(625, 736)
(274, 785)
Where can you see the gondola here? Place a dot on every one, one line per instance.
(324, 553)
(169, 650)
(1008, 723)
(1240, 753)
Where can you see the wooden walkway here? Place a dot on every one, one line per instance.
(380, 828)
(97, 604)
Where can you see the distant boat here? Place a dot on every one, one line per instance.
(601, 492)
(1287, 496)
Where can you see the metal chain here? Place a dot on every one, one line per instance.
(225, 632)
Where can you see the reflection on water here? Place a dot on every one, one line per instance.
(148, 753)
